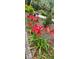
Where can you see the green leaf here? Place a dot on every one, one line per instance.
(40, 53)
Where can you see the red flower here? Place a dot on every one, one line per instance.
(29, 16)
(37, 29)
(33, 18)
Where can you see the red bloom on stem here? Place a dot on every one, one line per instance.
(29, 16)
(37, 29)
(32, 17)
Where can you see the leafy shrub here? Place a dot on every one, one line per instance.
(29, 9)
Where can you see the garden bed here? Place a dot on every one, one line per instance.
(39, 24)
(40, 40)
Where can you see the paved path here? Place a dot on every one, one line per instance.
(27, 51)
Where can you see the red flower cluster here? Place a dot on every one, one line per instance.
(37, 29)
(32, 17)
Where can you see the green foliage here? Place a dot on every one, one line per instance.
(48, 21)
(36, 6)
(29, 9)
(45, 5)
(42, 45)
(43, 12)
(28, 2)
